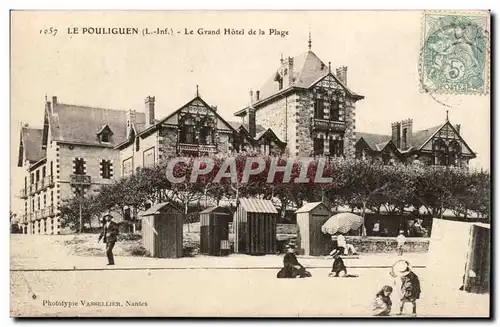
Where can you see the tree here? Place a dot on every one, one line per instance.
(70, 211)
(14, 224)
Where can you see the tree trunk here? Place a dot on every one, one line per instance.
(186, 205)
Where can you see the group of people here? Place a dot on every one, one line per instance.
(405, 281)
(407, 284)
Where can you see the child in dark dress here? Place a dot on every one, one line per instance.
(338, 268)
(291, 266)
(409, 283)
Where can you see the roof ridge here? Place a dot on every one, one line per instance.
(98, 108)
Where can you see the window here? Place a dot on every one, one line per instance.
(79, 166)
(319, 146)
(148, 157)
(318, 109)
(38, 202)
(336, 148)
(187, 132)
(51, 168)
(106, 169)
(137, 145)
(105, 136)
(25, 183)
(51, 198)
(44, 172)
(44, 200)
(206, 135)
(405, 131)
(334, 111)
(32, 178)
(37, 176)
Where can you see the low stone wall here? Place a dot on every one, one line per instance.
(373, 244)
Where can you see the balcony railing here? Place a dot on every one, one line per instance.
(185, 147)
(24, 194)
(44, 183)
(80, 180)
(328, 125)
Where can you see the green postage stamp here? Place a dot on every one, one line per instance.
(455, 52)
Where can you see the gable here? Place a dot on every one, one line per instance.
(448, 133)
(329, 82)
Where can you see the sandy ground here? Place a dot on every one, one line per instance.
(205, 292)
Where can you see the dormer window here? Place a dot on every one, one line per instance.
(105, 137)
(105, 134)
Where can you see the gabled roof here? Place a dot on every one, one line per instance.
(158, 123)
(310, 206)
(80, 124)
(218, 209)
(159, 207)
(105, 127)
(238, 125)
(32, 143)
(268, 132)
(420, 138)
(257, 205)
(308, 69)
(373, 140)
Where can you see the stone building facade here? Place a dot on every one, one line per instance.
(307, 106)
(71, 155)
(195, 129)
(440, 145)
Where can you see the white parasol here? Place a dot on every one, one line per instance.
(342, 223)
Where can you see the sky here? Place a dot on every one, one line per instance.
(381, 50)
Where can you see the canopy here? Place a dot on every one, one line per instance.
(342, 223)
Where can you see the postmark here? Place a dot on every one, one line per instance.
(455, 52)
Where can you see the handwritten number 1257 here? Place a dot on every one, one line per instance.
(49, 31)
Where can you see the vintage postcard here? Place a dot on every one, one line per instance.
(193, 163)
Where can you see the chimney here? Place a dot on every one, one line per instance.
(289, 78)
(48, 106)
(150, 110)
(251, 117)
(341, 73)
(54, 101)
(407, 132)
(457, 127)
(396, 134)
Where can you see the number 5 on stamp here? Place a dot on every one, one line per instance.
(455, 53)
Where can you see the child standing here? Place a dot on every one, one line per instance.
(382, 304)
(401, 239)
(409, 285)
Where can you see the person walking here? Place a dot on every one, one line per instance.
(401, 239)
(109, 235)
